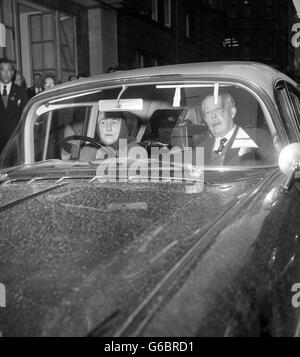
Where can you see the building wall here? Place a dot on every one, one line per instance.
(139, 34)
(103, 40)
(133, 38)
(261, 28)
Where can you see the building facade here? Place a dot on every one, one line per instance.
(60, 37)
(169, 32)
(45, 37)
(259, 30)
(89, 36)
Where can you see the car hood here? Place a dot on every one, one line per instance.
(86, 258)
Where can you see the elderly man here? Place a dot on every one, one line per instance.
(12, 102)
(230, 144)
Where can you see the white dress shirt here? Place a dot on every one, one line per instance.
(227, 136)
(38, 90)
(8, 87)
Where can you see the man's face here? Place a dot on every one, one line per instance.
(18, 80)
(109, 129)
(37, 81)
(6, 73)
(219, 117)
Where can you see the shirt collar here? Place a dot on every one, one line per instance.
(227, 136)
(37, 89)
(8, 87)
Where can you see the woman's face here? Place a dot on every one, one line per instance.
(109, 129)
(49, 83)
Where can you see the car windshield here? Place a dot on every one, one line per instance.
(226, 121)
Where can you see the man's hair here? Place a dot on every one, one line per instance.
(225, 95)
(37, 74)
(5, 60)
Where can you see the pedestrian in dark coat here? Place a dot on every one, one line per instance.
(12, 102)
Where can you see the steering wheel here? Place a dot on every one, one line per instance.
(94, 142)
(153, 143)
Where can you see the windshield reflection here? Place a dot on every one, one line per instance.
(144, 123)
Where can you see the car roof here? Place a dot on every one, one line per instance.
(250, 72)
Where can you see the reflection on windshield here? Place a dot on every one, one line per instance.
(225, 120)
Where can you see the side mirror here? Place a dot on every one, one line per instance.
(289, 164)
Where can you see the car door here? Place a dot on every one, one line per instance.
(280, 235)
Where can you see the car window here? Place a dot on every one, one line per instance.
(295, 99)
(250, 141)
(287, 111)
(225, 119)
(52, 127)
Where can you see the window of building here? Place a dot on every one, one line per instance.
(187, 25)
(53, 44)
(68, 52)
(269, 47)
(212, 3)
(167, 13)
(216, 4)
(154, 11)
(43, 44)
(7, 18)
(154, 62)
(140, 60)
(233, 48)
(230, 42)
(233, 9)
(247, 47)
(247, 8)
(269, 9)
(2, 29)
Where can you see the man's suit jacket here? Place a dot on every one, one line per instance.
(31, 92)
(10, 115)
(249, 146)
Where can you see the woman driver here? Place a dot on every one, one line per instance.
(112, 128)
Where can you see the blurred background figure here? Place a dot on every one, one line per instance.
(119, 67)
(49, 81)
(82, 75)
(13, 99)
(72, 77)
(20, 80)
(37, 86)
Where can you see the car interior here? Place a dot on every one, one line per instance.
(169, 117)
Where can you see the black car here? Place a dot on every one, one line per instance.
(163, 233)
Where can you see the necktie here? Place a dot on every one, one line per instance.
(221, 147)
(4, 96)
